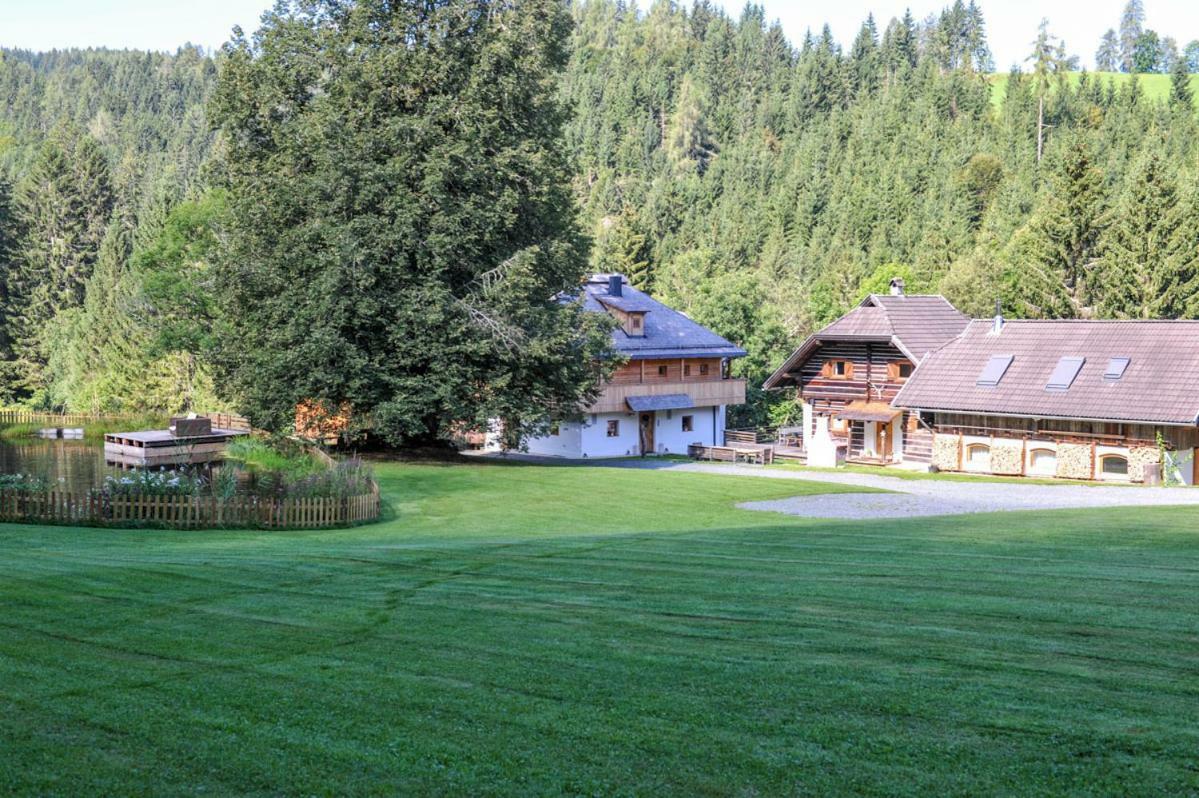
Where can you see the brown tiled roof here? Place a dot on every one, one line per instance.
(863, 322)
(916, 324)
(921, 322)
(1160, 385)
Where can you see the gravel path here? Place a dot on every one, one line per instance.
(924, 497)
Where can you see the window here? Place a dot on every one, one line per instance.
(1115, 368)
(1064, 373)
(898, 370)
(688, 423)
(1042, 461)
(703, 369)
(686, 369)
(661, 371)
(978, 456)
(635, 321)
(838, 370)
(613, 428)
(1113, 466)
(993, 372)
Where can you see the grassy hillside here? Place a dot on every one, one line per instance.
(1156, 87)
(568, 631)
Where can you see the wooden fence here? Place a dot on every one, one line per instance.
(186, 512)
(8, 417)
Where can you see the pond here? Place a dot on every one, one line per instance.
(70, 465)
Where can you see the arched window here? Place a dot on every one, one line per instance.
(978, 456)
(1113, 466)
(1042, 461)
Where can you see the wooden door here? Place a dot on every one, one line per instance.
(647, 433)
(883, 434)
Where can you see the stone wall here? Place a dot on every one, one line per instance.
(1007, 457)
(945, 452)
(1138, 457)
(1074, 460)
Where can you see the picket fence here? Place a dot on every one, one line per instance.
(186, 512)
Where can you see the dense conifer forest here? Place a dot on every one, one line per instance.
(149, 222)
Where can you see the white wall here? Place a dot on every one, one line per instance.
(589, 438)
(595, 440)
(567, 443)
(707, 427)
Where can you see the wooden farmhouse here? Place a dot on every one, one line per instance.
(909, 379)
(672, 390)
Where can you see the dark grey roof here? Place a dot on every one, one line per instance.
(1159, 385)
(668, 333)
(670, 401)
(915, 324)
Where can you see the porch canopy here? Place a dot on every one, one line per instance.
(670, 401)
(869, 411)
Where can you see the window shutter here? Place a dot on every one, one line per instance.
(827, 369)
(849, 369)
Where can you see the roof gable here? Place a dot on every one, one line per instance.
(915, 324)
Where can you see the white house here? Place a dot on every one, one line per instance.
(672, 390)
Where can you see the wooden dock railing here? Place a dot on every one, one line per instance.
(187, 512)
(9, 417)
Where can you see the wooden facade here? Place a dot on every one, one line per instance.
(683, 369)
(841, 372)
(700, 378)
(1064, 430)
(873, 374)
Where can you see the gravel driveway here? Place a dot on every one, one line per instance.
(923, 497)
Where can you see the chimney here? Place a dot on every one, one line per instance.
(896, 286)
(997, 322)
(614, 285)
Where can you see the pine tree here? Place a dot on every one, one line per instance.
(1053, 256)
(1177, 294)
(1132, 24)
(1138, 242)
(624, 251)
(1181, 96)
(1107, 57)
(63, 207)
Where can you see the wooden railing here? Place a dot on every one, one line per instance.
(8, 417)
(187, 512)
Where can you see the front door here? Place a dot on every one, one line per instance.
(647, 433)
(882, 442)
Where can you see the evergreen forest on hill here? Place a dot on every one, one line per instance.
(295, 217)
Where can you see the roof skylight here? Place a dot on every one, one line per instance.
(1115, 368)
(993, 372)
(1064, 373)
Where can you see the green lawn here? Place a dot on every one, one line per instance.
(521, 630)
(1154, 87)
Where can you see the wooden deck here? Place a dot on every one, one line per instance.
(159, 448)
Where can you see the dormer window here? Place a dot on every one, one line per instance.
(632, 322)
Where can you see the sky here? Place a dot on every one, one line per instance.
(166, 24)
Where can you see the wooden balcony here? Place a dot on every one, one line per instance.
(705, 393)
